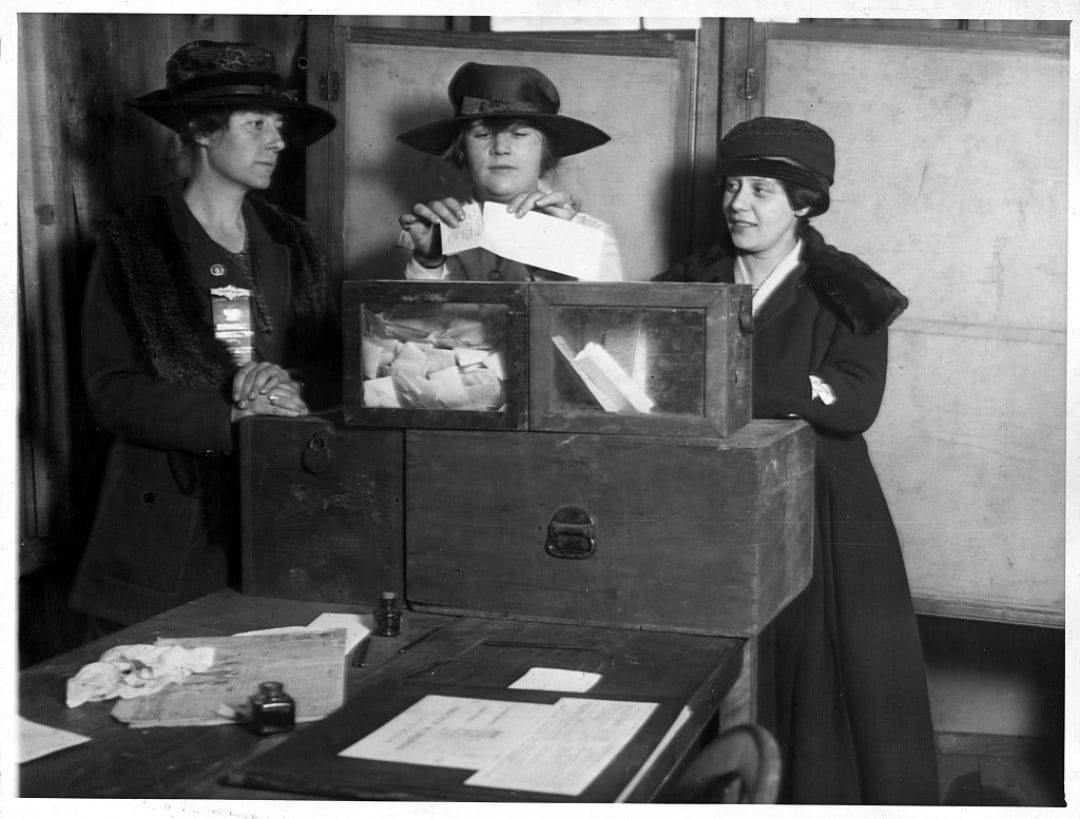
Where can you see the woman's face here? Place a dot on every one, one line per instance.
(759, 215)
(503, 160)
(245, 152)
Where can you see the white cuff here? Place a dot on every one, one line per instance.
(415, 270)
(822, 391)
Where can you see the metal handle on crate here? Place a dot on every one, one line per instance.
(570, 534)
(316, 457)
(746, 315)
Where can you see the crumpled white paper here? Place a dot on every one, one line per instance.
(135, 671)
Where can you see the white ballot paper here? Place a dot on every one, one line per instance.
(536, 747)
(355, 625)
(535, 239)
(36, 740)
(556, 679)
(468, 234)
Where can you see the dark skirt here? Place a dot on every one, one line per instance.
(852, 714)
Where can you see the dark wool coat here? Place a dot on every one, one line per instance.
(851, 707)
(166, 528)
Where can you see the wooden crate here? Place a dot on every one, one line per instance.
(321, 508)
(640, 358)
(707, 536)
(426, 401)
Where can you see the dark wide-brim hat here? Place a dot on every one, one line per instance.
(207, 74)
(480, 91)
(793, 150)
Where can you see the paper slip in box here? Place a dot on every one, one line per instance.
(534, 239)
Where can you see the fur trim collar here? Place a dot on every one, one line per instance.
(864, 299)
(868, 301)
(160, 302)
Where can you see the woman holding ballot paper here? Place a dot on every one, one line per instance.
(506, 132)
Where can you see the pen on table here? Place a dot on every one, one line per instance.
(360, 653)
(522, 644)
(419, 639)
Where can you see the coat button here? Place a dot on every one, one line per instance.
(495, 276)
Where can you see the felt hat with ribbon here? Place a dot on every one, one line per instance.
(480, 91)
(208, 74)
(793, 150)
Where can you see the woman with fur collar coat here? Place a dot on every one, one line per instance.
(204, 306)
(849, 702)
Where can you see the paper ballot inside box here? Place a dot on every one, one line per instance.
(534, 239)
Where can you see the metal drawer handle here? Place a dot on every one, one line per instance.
(316, 457)
(746, 315)
(570, 534)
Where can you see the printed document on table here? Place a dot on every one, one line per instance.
(569, 749)
(355, 625)
(451, 732)
(534, 239)
(544, 748)
(676, 726)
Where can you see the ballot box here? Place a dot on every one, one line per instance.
(435, 354)
(692, 534)
(639, 358)
(562, 452)
(321, 509)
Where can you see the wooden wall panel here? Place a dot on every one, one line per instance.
(950, 181)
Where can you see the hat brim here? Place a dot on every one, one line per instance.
(778, 169)
(573, 135)
(306, 123)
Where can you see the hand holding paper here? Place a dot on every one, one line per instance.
(533, 239)
(468, 233)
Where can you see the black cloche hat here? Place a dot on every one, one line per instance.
(208, 74)
(791, 149)
(483, 91)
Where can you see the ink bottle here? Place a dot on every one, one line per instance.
(388, 616)
(272, 710)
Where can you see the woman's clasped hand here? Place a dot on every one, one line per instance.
(262, 388)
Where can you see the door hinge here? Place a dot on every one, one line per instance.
(329, 86)
(750, 84)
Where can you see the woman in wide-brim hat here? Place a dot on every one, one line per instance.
(205, 76)
(851, 707)
(507, 134)
(204, 306)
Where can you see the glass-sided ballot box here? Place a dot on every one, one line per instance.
(639, 358)
(605, 469)
(435, 354)
(627, 358)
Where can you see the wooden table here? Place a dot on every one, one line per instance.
(125, 762)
